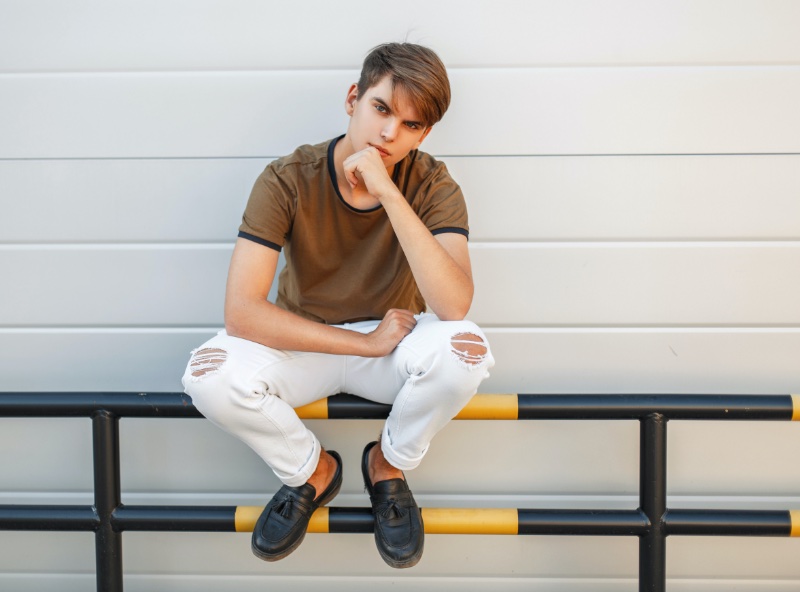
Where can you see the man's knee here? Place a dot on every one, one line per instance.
(469, 348)
(206, 362)
(206, 380)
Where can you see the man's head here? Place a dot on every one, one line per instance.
(417, 75)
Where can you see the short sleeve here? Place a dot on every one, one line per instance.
(442, 207)
(270, 210)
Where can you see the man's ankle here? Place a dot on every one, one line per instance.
(323, 474)
(379, 467)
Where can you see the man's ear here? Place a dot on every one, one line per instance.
(424, 135)
(350, 101)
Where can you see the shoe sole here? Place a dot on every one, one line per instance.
(269, 557)
(411, 562)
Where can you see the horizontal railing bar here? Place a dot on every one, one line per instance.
(695, 407)
(770, 523)
(360, 520)
(486, 406)
(74, 404)
(731, 523)
(39, 517)
(584, 522)
(175, 518)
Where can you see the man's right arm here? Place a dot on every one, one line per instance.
(250, 316)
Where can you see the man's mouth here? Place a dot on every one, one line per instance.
(381, 150)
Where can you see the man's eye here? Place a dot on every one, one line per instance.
(413, 126)
(381, 108)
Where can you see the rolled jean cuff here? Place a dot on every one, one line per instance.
(397, 460)
(304, 472)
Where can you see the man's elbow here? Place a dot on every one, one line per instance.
(454, 315)
(233, 327)
(235, 321)
(454, 311)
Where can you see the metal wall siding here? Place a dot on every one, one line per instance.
(631, 172)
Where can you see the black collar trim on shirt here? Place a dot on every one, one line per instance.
(332, 175)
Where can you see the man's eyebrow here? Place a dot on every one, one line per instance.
(382, 102)
(389, 109)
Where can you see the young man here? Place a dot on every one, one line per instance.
(373, 230)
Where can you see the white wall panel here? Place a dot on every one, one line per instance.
(168, 115)
(622, 111)
(555, 360)
(91, 35)
(632, 176)
(631, 198)
(46, 553)
(169, 200)
(748, 462)
(495, 112)
(731, 557)
(513, 198)
(636, 284)
(575, 284)
(347, 555)
(109, 360)
(354, 556)
(193, 456)
(236, 583)
(128, 284)
(644, 360)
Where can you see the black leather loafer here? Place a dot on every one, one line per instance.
(399, 533)
(283, 523)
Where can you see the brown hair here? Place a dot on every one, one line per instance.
(416, 71)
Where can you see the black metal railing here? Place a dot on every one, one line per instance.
(652, 521)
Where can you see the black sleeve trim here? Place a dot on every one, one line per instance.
(260, 241)
(450, 229)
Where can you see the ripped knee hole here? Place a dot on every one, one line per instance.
(469, 348)
(207, 361)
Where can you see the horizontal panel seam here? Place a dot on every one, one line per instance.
(452, 70)
(440, 156)
(488, 328)
(475, 245)
(533, 498)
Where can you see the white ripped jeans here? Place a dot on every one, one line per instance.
(251, 390)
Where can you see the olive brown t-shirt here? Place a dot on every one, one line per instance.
(343, 264)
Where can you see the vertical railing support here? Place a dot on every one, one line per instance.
(653, 502)
(107, 498)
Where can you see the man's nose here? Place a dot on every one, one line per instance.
(389, 132)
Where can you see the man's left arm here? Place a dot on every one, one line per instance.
(440, 263)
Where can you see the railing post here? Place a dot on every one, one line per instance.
(653, 502)
(107, 498)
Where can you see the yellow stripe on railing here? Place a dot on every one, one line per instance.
(436, 520)
(470, 521)
(795, 407)
(319, 521)
(483, 406)
(795, 516)
(499, 406)
(315, 410)
(246, 517)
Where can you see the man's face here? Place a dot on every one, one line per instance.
(384, 119)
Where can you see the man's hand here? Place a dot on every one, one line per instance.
(367, 176)
(396, 324)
